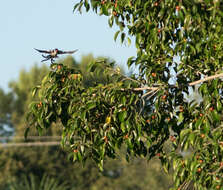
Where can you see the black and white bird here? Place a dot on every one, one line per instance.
(52, 54)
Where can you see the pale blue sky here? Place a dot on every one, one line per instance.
(48, 24)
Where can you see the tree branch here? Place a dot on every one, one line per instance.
(146, 88)
(206, 79)
(216, 171)
(190, 84)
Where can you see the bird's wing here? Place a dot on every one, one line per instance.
(42, 51)
(64, 52)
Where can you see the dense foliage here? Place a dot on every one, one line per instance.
(179, 46)
(24, 167)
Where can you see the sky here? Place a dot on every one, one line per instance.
(49, 24)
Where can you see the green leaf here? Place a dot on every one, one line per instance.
(122, 37)
(184, 133)
(165, 164)
(104, 10)
(100, 165)
(130, 61)
(124, 100)
(123, 127)
(87, 6)
(116, 35)
(122, 116)
(198, 123)
(219, 105)
(59, 110)
(111, 21)
(79, 156)
(129, 41)
(191, 138)
(34, 91)
(91, 105)
(83, 115)
(216, 116)
(180, 117)
(75, 6)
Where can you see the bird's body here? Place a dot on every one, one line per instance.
(53, 54)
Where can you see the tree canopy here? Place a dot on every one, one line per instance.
(5, 113)
(26, 167)
(179, 49)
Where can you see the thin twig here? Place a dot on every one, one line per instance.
(129, 78)
(184, 185)
(190, 84)
(216, 171)
(146, 88)
(196, 71)
(142, 89)
(157, 88)
(206, 79)
(221, 126)
(151, 93)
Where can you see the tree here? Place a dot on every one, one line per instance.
(179, 46)
(19, 164)
(20, 90)
(5, 113)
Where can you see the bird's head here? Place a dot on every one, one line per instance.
(56, 50)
